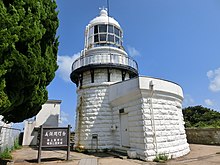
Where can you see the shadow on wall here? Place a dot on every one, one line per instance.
(92, 110)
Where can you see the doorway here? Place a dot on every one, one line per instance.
(125, 140)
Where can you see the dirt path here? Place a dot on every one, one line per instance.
(199, 155)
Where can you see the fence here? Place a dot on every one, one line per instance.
(8, 136)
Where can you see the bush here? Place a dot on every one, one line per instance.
(161, 158)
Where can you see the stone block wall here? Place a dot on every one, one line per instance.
(155, 117)
(94, 114)
(164, 127)
(135, 125)
(155, 120)
(209, 136)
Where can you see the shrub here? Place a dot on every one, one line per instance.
(161, 158)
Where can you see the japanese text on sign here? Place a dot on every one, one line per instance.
(54, 137)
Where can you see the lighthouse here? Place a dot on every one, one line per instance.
(116, 108)
(102, 63)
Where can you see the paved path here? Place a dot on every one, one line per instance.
(199, 155)
(88, 161)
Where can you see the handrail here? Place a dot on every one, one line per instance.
(104, 58)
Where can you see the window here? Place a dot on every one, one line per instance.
(91, 31)
(96, 38)
(103, 34)
(111, 38)
(110, 28)
(117, 40)
(102, 37)
(117, 31)
(102, 28)
(96, 29)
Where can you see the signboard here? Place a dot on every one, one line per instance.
(54, 137)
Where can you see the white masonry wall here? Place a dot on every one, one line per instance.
(94, 114)
(48, 116)
(155, 117)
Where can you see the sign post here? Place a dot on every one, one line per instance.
(40, 145)
(54, 137)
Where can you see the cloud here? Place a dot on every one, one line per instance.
(214, 78)
(132, 51)
(209, 102)
(188, 100)
(65, 63)
(64, 118)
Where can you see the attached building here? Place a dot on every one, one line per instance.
(48, 116)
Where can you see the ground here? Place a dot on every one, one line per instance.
(200, 154)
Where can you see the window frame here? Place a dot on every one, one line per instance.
(95, 36)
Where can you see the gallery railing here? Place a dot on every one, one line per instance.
(99, 59)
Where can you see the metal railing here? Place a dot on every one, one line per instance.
(105, 58)
(8, 136)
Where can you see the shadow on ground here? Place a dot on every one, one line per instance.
(109, 154)
(4, 162)
(44, 160)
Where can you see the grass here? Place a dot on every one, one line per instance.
(161, 158)
(6, 154)
(16, 145)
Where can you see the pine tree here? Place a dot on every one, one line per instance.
(28, 54)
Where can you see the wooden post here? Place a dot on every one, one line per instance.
(68, 143)
(40, 145)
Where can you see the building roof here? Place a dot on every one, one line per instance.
(54, 101)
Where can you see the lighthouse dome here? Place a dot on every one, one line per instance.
(105, 19)
(103, 31)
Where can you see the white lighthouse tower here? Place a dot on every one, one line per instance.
(102, 63)
(116, 108)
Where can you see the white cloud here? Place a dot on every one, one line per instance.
(214, 78)
(65, 63)
(64, 118)
(209, 102)
(132, 51)
(188, 100)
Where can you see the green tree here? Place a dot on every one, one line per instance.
(28, 54)
(199, 116)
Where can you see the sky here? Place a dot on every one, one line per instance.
(175, 40)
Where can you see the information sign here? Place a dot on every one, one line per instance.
(54, 137)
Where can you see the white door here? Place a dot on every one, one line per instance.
(124, 130)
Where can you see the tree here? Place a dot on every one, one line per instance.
(199, 116)
(28, 54)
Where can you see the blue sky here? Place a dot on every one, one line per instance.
(176, 40)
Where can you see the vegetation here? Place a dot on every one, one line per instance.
(6, 154)
(28, 54)
(161, 158)
(16, 145)
(199, 116)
